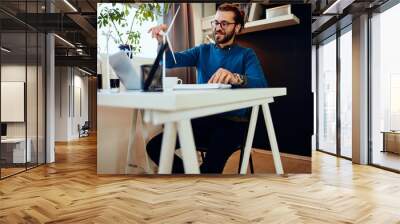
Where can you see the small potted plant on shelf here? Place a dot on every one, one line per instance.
(117, 17)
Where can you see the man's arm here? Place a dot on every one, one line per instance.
(254, 75)
(185, 58)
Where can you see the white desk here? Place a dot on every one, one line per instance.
(19, 155)
(176, 109)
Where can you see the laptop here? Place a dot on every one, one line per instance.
(147, 83)
(123, 68)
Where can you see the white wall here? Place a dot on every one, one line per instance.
(61, 103)
(71, 93)
(17, 73)
(80, 103)
(14, 73)
(33, 127)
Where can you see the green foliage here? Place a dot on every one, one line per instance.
(116, 17)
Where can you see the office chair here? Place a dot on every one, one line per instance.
(203, 150)
(84, 130)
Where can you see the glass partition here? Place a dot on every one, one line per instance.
(14, 153)
(22, 88)
(385, 89)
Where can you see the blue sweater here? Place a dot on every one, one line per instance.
(208, 58)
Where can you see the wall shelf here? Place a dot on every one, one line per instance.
(254, 26)
(273, 23)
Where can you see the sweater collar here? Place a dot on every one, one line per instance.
(227, 48)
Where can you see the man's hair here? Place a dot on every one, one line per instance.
(239, 14)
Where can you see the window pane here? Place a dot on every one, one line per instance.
(346, 94)
(386, 89)
(327, 97)
(148, 45)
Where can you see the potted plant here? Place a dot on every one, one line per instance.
(116, 18)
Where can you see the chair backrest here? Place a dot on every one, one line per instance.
(86, 125)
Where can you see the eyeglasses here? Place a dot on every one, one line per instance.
(224, 24)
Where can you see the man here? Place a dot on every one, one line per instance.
(222, 62)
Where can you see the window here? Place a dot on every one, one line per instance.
(148, 45)
(327, 96)
(22, 75)
(346, 93)
(385, 88)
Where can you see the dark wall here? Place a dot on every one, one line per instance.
(285, 55)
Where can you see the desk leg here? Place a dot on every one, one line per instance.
(249, 139)
(186, 139)
(144, 136)
(167, 148)
(272, 139)
(131, 142)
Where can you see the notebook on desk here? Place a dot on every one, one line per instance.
(202, 86)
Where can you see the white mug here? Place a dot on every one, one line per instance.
(170, 82)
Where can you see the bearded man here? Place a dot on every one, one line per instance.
(221, 62)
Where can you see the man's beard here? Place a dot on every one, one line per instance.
(226, 38)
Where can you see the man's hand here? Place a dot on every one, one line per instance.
(224, 76)
(155, 31)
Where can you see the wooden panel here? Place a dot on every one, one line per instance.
(70, 191)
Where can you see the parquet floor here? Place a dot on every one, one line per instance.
(69, 191)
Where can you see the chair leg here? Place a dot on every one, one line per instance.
(251, 165)
(241, 158)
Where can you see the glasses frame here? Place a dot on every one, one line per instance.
(217, 23)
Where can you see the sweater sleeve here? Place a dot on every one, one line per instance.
(253, 71)
(186, 58)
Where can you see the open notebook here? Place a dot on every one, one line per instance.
(202, 86)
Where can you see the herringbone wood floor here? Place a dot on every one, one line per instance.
(69, 191)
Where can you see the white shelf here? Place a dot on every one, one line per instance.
(273, 23)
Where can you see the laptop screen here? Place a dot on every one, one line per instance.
(3, 129)
(154, 68)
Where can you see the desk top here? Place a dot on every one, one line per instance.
(391, 132)
(184, 99)
(13, 140)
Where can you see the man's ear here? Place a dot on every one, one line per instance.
(237, 28)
